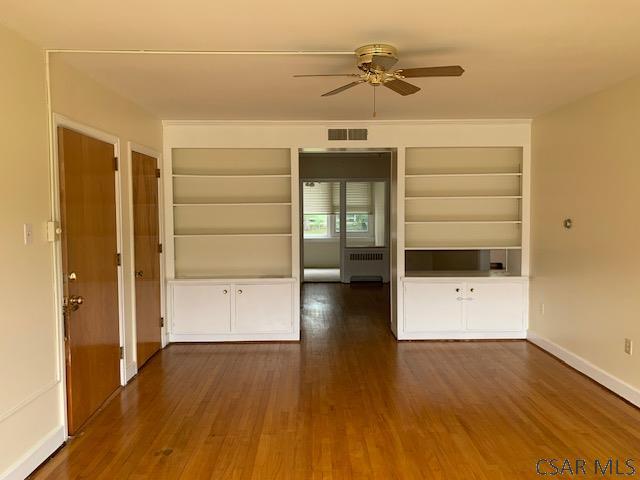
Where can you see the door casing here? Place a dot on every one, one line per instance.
(134, 147)
(62, 121)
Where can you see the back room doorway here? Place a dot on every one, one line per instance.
(349, 187)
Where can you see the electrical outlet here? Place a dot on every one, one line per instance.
(628, 346)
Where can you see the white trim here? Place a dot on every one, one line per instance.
(468, 335)
(365, 122)
(33, 458)
(131, 370)
(604, 378)
(135, 147)
(236, 337)
(62, 121)
(204, 52)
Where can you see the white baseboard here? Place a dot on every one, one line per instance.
(235, 337)
(34, 457)
(463, 335)
(130, 371)
(626, 391)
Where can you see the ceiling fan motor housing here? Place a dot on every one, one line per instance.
(376, 57)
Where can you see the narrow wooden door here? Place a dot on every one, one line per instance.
(146, 231)
(90, 269)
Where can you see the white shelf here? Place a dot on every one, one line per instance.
(484, 222)
(465, 197)
(470, 247)
(229, 204)
(222, 176)
(201, 235)
(435, 175)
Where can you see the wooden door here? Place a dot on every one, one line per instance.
(146, 232)
(90, 269)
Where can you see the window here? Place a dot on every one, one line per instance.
(356, 223)
(316, 225)
(321, 204)
(321, 215)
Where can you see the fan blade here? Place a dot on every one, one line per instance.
(383, 62)
(330, 75)
(401, 87)
(449, 71)
(342, 88)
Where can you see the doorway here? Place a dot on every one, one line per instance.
(145, 176)
(90, 268)
(349, 188)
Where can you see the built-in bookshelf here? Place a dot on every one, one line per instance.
(232, 212)
(463, 199)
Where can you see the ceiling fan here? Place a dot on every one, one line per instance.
(375, 62)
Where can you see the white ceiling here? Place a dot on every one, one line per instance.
(521, 57)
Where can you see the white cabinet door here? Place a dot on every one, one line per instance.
(199, 309)
(495, 306)
(263, 308)
(433, 306)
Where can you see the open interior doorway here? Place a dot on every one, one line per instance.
(349, 188)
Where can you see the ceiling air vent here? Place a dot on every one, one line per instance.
(337, 134)
(350, 134)
(357, 134)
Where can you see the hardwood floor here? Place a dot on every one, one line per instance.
(350, 402)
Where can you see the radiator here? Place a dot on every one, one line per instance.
(365, 264)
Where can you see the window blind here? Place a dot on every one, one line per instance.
(323, 198)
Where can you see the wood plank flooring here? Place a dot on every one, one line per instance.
(349, 402)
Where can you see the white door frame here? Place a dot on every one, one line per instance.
(135, 147)
(58, 282)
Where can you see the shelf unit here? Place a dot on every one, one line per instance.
(232, 213)
(463, 198)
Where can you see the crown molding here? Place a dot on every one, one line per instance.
(370, 123)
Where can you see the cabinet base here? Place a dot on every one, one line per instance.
(517, 335)
(234, 337)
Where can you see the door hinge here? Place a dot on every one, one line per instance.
(121, 353)
(157, 173)
(118, 259)
(115, 163)
(64, 322)
(161, 322)
(159, 248)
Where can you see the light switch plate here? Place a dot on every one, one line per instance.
(628, 346)
(28, 234)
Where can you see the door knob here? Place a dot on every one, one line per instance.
(75, 301)
(72, 277)
(139, 274)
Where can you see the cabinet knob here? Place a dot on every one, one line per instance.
(457, 289)
(240, 292)
(471, 290)
(225, 291)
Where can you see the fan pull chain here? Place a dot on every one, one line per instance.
(374, 101)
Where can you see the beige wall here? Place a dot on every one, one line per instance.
(322, 252)
(586, 166)
(30, 390)
(83, 100)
